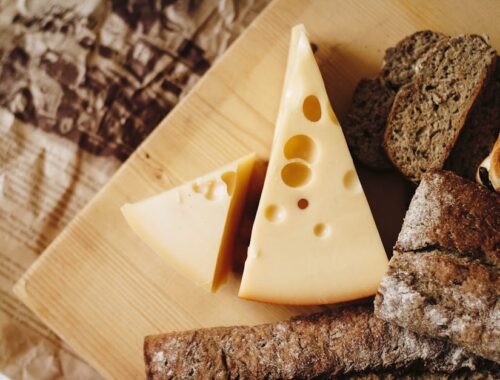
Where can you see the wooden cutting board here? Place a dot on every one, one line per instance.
(101, 289)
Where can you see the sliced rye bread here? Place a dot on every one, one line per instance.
(399, 61)
(366, 121)
(328, 344)
(429, 113)
(443, 280)
(479, 133)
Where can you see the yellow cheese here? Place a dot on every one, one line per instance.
(193, 226)
(314, 240)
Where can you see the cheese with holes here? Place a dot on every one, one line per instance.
(193, 226)
(314, 240)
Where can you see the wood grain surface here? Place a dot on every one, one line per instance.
(101, 289)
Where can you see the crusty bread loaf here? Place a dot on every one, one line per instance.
(399, 61)
(479, 133)
(328, 344)
(365, 124)
(366, 120)
(429, 113)
(443, 278)
(454, 214)
(441, 295)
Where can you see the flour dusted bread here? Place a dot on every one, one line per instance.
(329, 344)
(452, 213)
(443, 278)
(366, 121)
(429, 113)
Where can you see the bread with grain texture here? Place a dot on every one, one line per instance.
(479, 133)
(365, 123)
(399, 63)
(454, 214)
(329, 344)
(372, 100)
(439, 294)
(443, 278)
(429, 113)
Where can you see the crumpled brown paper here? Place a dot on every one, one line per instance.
(81, 85)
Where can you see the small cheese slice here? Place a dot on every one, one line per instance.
(314, 240)
(193, 226)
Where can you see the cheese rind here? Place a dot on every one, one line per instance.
(314, 240)
(193, 226)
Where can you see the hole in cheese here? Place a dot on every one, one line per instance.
(229, 179)
(303, 203)
(351, 182)
(275, 213)
(301, 146)
(215, 190)
(296, 174)
(196, 188)
(321, 230)
(312, 108)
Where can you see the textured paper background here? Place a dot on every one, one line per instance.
(81, 85)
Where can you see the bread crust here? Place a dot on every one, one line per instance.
(438, 294)
(454, 214)
(334, 343)
(443, 277)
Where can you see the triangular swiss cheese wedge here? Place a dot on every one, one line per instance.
(314, 240)
(193, 226)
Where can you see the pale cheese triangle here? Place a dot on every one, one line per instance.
(314, 240)
(193, 226)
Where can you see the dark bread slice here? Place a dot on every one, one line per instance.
(365, 123)
(480, 131)
(328, 344)
(443, 280)
(429, 113)
(399, 61)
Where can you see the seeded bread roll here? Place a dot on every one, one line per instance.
(428, 114)
(479, 133)
(328, 344)
(365, 123)
(399, 61)
(443, 278)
